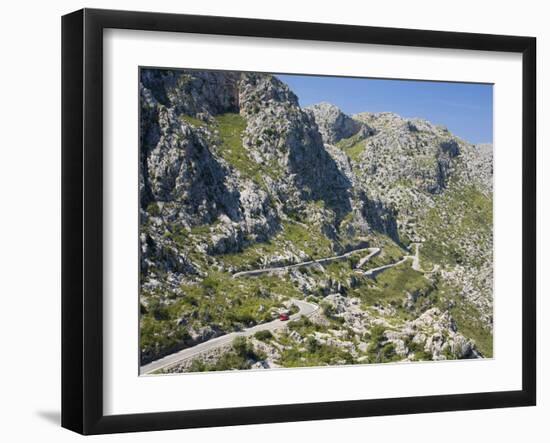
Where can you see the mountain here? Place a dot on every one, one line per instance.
(236, 176)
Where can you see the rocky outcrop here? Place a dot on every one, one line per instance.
(199, 94)
(230, 164)
(279, 131)
(186, 181)
(433, 333)
(333, 124)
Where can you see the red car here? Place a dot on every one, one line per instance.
(283, 317)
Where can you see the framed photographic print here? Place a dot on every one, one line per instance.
(270, 221)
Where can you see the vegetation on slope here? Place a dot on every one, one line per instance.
(353, 146)
(218, 303)
(231, 127)
(292, 237)
(193, 121)
(406, 172)
(461, 215)
(241, 356)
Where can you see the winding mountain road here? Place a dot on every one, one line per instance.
(374, 251)
(373, 272)
(320, 261)
(305, 309)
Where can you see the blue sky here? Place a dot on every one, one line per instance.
(465, 108)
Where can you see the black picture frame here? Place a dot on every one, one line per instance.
(82, 215)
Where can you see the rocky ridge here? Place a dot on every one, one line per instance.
(235, 175)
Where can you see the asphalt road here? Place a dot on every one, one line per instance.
(416, 260)
(374, 251)
(305, 309)
(415, 264)
(320, 261)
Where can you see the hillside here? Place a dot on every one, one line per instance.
(236, 176)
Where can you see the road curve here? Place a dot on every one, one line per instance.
(378, 270)
(415, 258)
(374, 251)
(305, 309)
(373, 272)
(320, 261)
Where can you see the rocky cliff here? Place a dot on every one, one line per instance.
(235, 175)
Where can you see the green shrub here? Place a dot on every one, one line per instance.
(376, 334)
(153, 210)
(316, 354)
(377, 351)
(241, 356)
(264, 335)
(312, 345)
(388, 352)
(240, 346)
(300, 323)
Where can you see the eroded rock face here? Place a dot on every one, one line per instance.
(230, 161)
(280, 132)
(183, 171)
(333, 124)
(194, 93)
(183, 182)
(186, 181)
